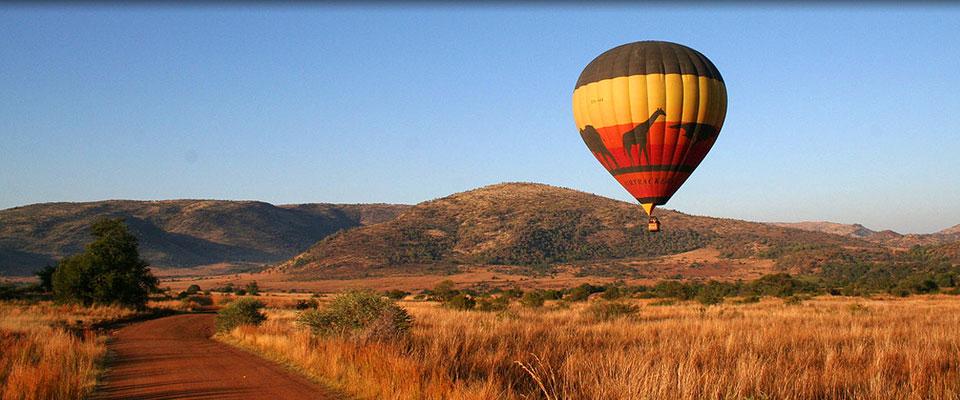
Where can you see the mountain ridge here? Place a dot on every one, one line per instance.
(532, 224)
(179, 233)
(513, 223)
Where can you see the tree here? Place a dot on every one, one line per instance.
(46, 278)
(109, 271)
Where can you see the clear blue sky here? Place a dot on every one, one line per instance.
(836, 113)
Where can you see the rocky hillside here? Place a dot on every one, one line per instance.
(530, 224)
(179, 233)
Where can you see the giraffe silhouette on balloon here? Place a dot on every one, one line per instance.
(695, 131)
(638, 136)
(592, 138)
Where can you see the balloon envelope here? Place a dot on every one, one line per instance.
(650, 111)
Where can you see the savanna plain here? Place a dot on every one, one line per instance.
(823, 347)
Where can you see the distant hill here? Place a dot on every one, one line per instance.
(179, 233)
(853, 230)
(954, 230)
(887, 237)
(531, 224)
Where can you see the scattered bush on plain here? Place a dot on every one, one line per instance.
(243, 311)
(358, 314)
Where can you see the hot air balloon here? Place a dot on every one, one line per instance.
(650, 111)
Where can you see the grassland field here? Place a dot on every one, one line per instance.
(821, 348)
(825, 347)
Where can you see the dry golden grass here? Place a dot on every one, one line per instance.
(47, 351)
(825, 348)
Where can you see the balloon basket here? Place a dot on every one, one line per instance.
(653, 224)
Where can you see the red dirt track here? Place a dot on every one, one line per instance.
(174, 358)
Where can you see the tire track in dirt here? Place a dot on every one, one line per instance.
(174, 358)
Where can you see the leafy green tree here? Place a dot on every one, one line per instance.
(46, 278)
(109, 271)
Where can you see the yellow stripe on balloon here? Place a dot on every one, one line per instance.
(632, 99)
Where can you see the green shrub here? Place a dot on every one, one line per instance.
(498, 303)
(709, 297)
(306, 304)
(858, 309)
(460, 302)
(359, 314)
(900, 291)
(749, 299)
(665, 302)
(945, 279)
(613, 293)
(192, 289)
(610, 310)
(240, 312)
(552, 294)
(241, 292)
(578, 293)
(533, 299)
(8, 291)
(253, 289)
(793, 300)
(396, 294)
(196, 302)
(444, 291)
(918, 285)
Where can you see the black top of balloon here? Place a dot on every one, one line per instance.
(648, 57)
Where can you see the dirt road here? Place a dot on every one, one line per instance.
(174, 358)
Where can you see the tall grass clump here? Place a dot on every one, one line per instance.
(48, 351)
(359, 314)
